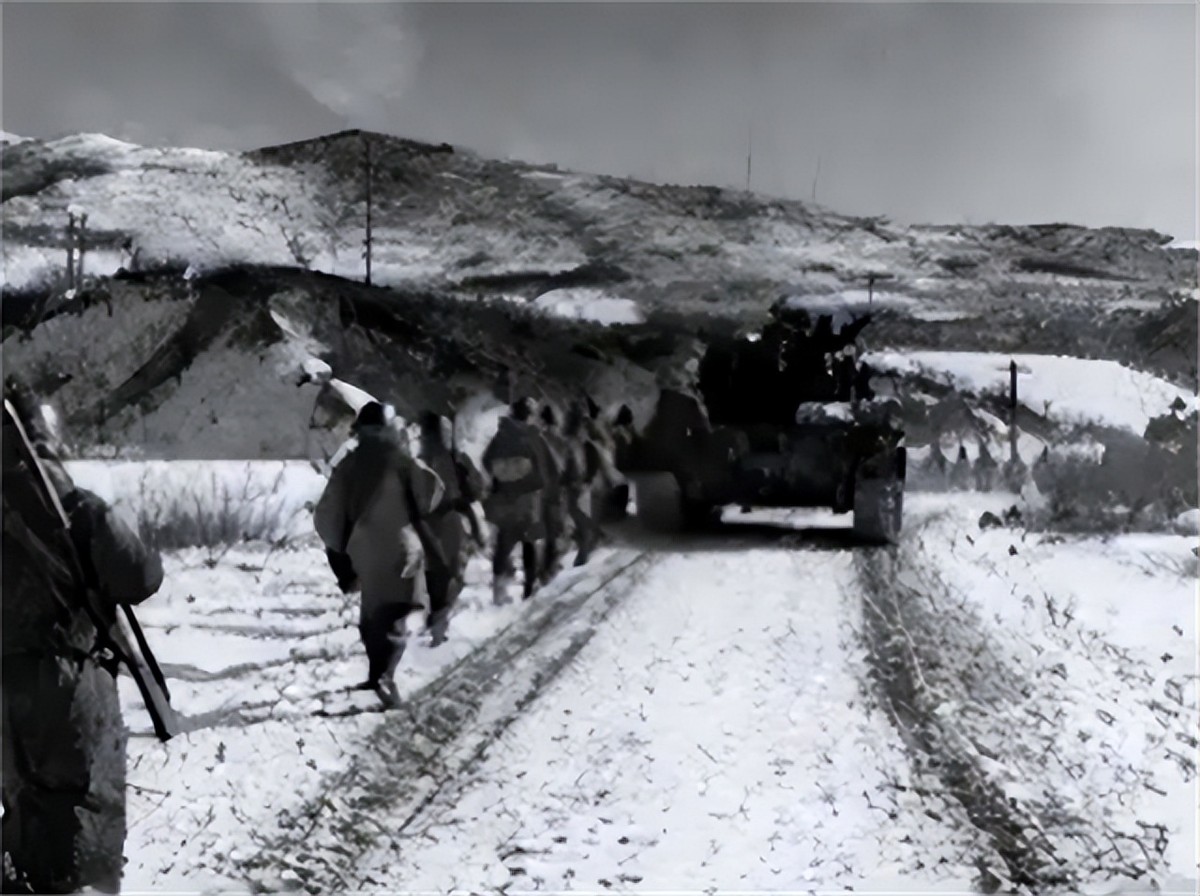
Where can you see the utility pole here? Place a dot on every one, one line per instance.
(368, 173)
(81, 236)
(874, 277)
(70, 250)
(816, 177)
(1013, 457)
(749, 152)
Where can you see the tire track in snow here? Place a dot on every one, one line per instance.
(721, 740)
(419, 753)
(992, 712)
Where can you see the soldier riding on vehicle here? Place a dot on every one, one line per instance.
(781, 419)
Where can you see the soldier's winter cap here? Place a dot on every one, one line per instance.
(371, 414)
(522, 408)
(680, 374)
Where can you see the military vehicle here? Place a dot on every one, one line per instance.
(782, 418)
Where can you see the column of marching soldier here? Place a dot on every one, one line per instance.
(397, 525)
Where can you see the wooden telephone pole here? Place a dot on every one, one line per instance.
(81, 237)
(749, 153)
(76, 243)
(368, 173)
(70, 250)
(1012, 411)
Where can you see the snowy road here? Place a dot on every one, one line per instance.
(669, 717)
(713, 732)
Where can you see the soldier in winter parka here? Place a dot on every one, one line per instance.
(678, 425)
(64, 741)
(520, 463)
(451, 520)
(610, 488)
(581, 468)
(369, 512)
(554, 499)
(623, 435)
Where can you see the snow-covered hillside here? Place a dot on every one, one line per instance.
(1070, 390)
(447, 224)
(188, 206)
(589, 304)
(446, 216)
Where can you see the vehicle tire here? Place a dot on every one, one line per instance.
(659, 501)
(697, 516)
(879, 503)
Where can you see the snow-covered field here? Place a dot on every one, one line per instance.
(247, 647)
(252, 647)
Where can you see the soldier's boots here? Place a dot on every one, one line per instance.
(552, 568)
(529, 560)
(439, 625)
(387, 691)
(500, 590)
(438, 634)
(590, 537)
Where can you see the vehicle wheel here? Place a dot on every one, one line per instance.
(659, 501)
(879, 503)
(618, 502)
(698, 516)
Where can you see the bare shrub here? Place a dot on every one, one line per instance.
(1139, 493)
(214, 515)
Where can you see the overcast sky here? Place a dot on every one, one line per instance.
(925, 112)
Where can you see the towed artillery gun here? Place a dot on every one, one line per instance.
(783, 418)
